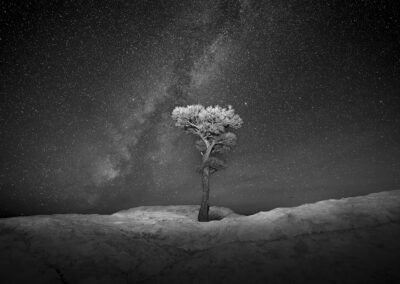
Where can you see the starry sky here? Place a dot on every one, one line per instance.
(87, 89)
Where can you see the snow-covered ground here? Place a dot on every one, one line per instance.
(351, 240)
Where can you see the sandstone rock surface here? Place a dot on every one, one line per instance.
(351, 240)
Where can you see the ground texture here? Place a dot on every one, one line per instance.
(351, 240)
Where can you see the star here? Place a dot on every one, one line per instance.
(86, 101)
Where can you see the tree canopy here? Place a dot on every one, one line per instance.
(208, 123)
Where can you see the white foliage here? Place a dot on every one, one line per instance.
(207, 122)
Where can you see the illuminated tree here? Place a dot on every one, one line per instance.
(210, 125)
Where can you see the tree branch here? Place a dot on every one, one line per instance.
(208, 151)
(212, 145)
(192, 124)
(204, 139)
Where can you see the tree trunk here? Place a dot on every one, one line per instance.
(205, 179)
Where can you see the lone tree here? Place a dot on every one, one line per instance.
(210, 125)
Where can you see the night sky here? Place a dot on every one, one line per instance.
(87, 89)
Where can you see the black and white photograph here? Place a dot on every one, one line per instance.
(199, 141)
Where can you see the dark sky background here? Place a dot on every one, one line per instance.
(87, 88)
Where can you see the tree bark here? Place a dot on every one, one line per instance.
(205, 181)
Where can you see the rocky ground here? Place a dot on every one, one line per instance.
(351, 240)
